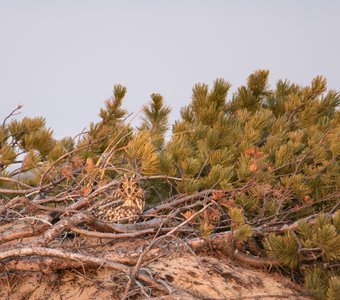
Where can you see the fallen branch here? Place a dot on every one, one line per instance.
(124, 228)
(225, 242)
(63, 225)
(38, 264)
(27, 231)
(32, 191)
(18, 182)
(137, 233)
(80, 258)
(179, 201)
(83, 260)
(11, 203)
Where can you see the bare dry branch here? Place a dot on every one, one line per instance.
(107, 235)
(30, 230)
(179, 201)
(83, 260)
(61, 226)
(18, 182)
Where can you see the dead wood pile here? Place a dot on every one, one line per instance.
(37, 236)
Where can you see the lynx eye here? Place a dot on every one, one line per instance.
(135, 185)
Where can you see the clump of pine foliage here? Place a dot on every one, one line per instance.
(274, 150)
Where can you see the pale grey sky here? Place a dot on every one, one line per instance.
(60, 59)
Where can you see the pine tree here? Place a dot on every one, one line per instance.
(283, 145)
(24, 146)
(270, 156)
(155, 120)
